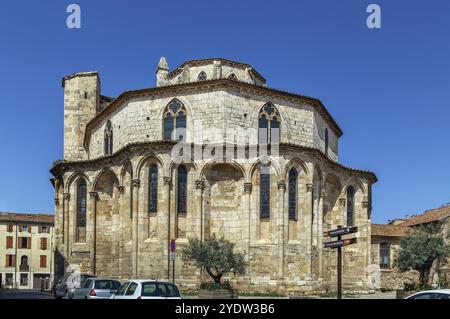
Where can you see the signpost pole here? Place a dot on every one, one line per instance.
(339, 269)
(172, 249)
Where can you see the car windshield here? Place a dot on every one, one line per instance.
(106, 284)
(153, 289)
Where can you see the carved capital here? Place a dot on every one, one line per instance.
(200, 185)
(93, 195)
(282, 185)
(66, 196)
(365, 204)
(322, 193)
(309, 187)
(342, 202)
(121, 189)
(56, 201)
(247, 187)
(136, 182)
(167, 181)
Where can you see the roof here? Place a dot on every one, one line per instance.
(389, 230)
(429, 216)
(29, 218)
(209, 60)
(128, 95)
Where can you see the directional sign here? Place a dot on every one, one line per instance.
(340, 243)
(340, 231)
(172, 245)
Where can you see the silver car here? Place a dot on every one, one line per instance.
(96, 288)
(67, 285)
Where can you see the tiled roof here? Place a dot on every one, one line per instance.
(429, 216)
(30, 218)
(389, 230)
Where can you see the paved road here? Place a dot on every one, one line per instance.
(23, 294)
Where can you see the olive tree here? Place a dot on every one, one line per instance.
(216, 256)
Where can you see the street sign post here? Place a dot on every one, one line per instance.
(338, 244)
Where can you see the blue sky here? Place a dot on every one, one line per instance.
(388, 89)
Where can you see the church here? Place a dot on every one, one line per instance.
(211, 149)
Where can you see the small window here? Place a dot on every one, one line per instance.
(384, 256)
(233, 77)
(293, 175)
(24, 228)
(174, 121)
(85, 95)
(10, 228)
(182, 190)
(269, 125)
(202, 76)
(43, 261)
(264, 209)
(131, 289)
(108, 139)
(350, 206)
(153, 189)
(24, 242)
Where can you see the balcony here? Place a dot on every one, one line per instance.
(24, 268)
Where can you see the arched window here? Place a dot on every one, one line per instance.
(108, 141)
(233, 77)
(269, 125)
(81, 210)
(264, 205)
(350, 206)
(326, 142)
(202, 76)
(153, 189)
(293, 175)
(182, 190)
(24, 261)
(175, 121)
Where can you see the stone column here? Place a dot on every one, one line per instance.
(320, 232)
(135, 189)
(281, 227)
(342, 202)
(368, 230)
(167, 187)
(57, 228)
(309, 225)
(247, 200)
(92, 232)
(66, 225)
(121, 225)
(200, 186)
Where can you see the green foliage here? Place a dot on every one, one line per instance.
(213, 286)
(421, 248)
(216, 256)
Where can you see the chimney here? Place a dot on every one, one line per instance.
(162, 73)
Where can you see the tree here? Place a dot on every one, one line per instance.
(421, 248)
(216, 256)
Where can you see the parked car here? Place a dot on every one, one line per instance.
(96, 288)
(67, 285)
(431, 294)
(147, 289)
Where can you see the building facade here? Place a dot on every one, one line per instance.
(26, 248)
(209, 150)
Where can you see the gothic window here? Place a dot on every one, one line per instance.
(293, 176)
(108, 141)
(175, 121)
(182, 190)
(264, 209)
(153, 189)
(81, 208)
(233, 77)
(269, 125)
(384, 256)
(350, 205)
(326, 142)
(202, 76)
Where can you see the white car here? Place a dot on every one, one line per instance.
(147, 289)
(431, 294)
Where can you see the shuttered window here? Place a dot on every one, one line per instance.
(43, 261)
(10, 228)
(43, 243)
(10, 261)
(9, 242)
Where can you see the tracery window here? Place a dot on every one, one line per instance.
(233, 77)
(153, 189)
(264, 205)
(269, 125)
(175, 121)
(350, 206)
(81, 210)
(182, 190)
(202, 76)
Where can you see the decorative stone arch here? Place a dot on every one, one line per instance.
(260, 161)
(173, 166)
(144, 160)
(283, 122)
(123, 171)
(356, 183)
(189, 119)
(296, 162)
(233, 163)
(73, 177)
(100, 174)
(232, 76)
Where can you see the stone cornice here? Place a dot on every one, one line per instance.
(61, 166)
(214, 84)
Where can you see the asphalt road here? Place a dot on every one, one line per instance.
(23, 294)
